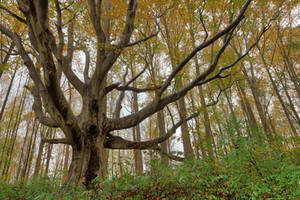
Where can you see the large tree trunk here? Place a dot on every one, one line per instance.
(88, 161)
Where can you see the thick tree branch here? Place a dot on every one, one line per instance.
(106, 57)
(137, 90)
(60, 37)
(38, 20)
(38, 109)
(59, 29)
(95, 12)
(116, 142)
(56, 141)
(54, 101)
(66, 63)
(129, 24)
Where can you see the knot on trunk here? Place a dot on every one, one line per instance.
(93, 130)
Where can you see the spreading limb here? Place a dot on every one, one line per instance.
(56, 141)
(116, 142)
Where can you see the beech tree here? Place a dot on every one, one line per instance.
(48, 54)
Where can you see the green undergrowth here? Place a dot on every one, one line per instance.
(253, 170)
